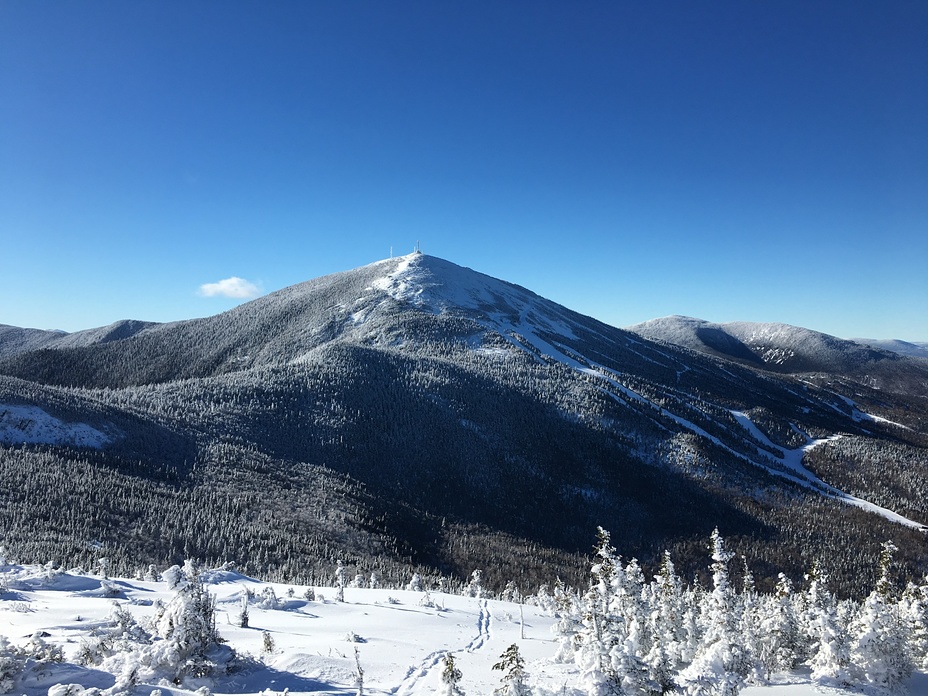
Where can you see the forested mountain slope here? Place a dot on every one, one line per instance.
(792, 350)
(416, 414)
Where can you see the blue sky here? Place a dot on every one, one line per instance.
(724, 160)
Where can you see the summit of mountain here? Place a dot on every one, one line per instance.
(387, 303)
(415, 414)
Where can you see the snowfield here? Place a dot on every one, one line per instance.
(304, 645)
(30, 424)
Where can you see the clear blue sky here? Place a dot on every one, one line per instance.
(758, 161)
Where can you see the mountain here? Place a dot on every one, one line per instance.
(776, 347)
(14, 340)
(416, 415)
(913, 350)
(793, 350)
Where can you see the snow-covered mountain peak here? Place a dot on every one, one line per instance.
(774, 345)
(438, 286)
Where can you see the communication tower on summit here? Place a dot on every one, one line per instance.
(417, 249)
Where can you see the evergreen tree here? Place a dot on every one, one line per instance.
(601, 629)
(341, 580)
(878, 649)
(665, 626)
(913, 613)
(243, 613)
(187, 626)
(722, 662)
(450, 677)
(511, 593)
(830, 661)
(11, 664)
(749, 615)
(358, 673)
(514, 677)
(778, 641)
(569, 622)
(475, 587)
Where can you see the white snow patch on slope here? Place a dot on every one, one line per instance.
(438, 286)
(792, 458)
(861, 416)
(32, 425)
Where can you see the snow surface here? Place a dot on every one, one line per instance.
(400, 639)
(30, 424)
(439, 286)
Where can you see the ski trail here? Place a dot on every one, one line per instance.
(792, 459)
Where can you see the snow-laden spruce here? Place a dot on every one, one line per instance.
(622, 635)
(634, 639)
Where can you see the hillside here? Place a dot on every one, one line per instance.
(414, 414)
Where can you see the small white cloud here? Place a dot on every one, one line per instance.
(230, 287)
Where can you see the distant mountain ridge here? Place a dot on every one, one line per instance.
(793, 350)
(415, 414)
(913, 350)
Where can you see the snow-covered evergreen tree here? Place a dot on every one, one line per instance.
(749, 616)
(913, 613)
(722, 662)
(878, 648)
(693, 598)
(601, 629)
(474, 588)
(830, 655)
(569, 622)
(514, 677)
(269, 599)
(450, 677)
(778, 644)
(358, 673)
(11, 666)
(665, 626)
(189, 644)
(243, 615)
(511, 593)
(341, 579)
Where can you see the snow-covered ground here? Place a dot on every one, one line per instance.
(400, 636)
(22, 424)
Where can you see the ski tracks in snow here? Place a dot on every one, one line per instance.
(417, 673)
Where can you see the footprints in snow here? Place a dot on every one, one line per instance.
(483, 628)
(431, 661)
